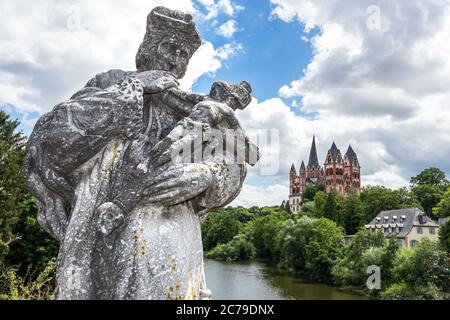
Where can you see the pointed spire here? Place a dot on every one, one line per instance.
(351, 155)
(302, 167)
(313, 159)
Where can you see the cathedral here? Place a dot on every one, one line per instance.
(338, 173)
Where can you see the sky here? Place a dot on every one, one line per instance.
(373, 74)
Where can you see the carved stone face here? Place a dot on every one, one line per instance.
(172, 55)
(235, 96)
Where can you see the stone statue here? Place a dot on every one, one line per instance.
(101, 166)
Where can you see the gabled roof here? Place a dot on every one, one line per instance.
(405, 219)
(350, 155)
(313, 159)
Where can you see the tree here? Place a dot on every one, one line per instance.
(432, 176)
(330, 209)
(352, 212)
(377, 198)
(265, 234)
(324, 245)
(320, 200)
(12, 186)
(311, 191)
(36, 248)
(220, 227)
(238, 249)
(292, 242)
(309, 209)
(429, 187)
(444, 237)
(442, 209)
(310, 247)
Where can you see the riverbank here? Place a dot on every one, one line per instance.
(259, 280)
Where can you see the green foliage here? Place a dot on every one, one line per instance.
(377, 198)
(419, 266)
(442, 209)
(265, 234)
(309, 209)
(431, 176)
(324, 244)
(292, 242)
(404, 291)
(366, 249)
(240, 248)
(429, 187)
(311, 246)
(320, 199)
(330, 209)
(219, 227)
(15, 287)
(311, 191)
(352, 212)
(12, 187)
(35, 248)
(444, 237)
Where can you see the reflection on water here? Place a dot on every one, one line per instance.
(260, 281)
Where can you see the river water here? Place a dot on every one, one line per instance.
(260, 281)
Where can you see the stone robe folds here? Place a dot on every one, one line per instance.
(88, 146)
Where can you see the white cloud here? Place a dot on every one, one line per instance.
(256, 195)
(214, 8)
(207, 60)
(50, 49)
(228, 29)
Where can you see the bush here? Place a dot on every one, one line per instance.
(311, 247)
(236, 250)
(404, 291)
(15, 287)
(419, 266)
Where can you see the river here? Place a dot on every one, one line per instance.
(260, 281)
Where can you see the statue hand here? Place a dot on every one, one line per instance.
(179, 184)
(154, 82)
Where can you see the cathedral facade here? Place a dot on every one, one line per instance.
(338, 173)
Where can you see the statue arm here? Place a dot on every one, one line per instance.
(77, 129)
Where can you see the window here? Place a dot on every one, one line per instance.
(413, 243)
(419, 230)
(432, 231)
(400, 242)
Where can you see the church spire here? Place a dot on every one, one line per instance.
(313, 159)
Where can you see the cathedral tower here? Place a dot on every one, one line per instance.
(352, 171)
(334, 170)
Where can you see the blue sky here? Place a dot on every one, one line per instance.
(373, 74)
(273, 53)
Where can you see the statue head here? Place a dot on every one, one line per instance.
(169, 43)
(236, 96)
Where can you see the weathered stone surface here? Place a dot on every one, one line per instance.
(102, 168)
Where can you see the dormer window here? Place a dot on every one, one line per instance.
(386, 218)
(402, 218)
(394, 218)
